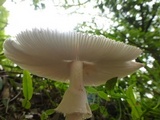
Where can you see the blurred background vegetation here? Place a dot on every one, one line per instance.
(135, 97)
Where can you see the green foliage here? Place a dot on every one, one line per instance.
(3, 22)
(26, 103)
(27, 85)
(1, 2)
(99, 93)
(110, 84)
(27, 89)
(134, 104)
(38, 4)
(46, 113)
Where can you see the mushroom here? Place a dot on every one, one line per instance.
(81, 59)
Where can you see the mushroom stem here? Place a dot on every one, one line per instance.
(74, 103)
(74, 116)
(76, 76)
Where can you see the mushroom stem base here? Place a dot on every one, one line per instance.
(74, 116)
(75, 98)
(75, 102)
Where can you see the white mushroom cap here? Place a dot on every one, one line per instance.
(49, 53)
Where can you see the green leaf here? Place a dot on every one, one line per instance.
(91, 90)
(135, 106)
(103, 111)
(158, 104)
(27, 85)
(26, 104)
(103, 95)
(2, 2)
(111, 83)
(49, 111)
(94, 107)
(45, 114)
(35, 1)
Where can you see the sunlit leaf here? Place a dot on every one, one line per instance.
(91, 90)
(27, 85)
(2, 1)
(135, 106)
(103, 95)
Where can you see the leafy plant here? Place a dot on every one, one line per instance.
(27, 89)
